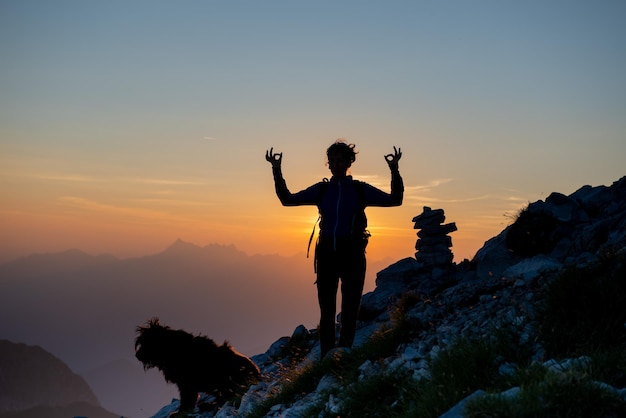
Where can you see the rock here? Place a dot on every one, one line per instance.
(563, 207)
(457, 410)
(391, 283)
(301, 332)
(532, 267)
(326, 383)
(277, 349)
(494, 257)
(429, 217)
(439, 241)
(433, 245)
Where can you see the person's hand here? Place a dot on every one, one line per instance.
(274, 158)
(392, 159)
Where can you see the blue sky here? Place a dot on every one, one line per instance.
(126, 125)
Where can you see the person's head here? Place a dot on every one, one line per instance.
(340, 155)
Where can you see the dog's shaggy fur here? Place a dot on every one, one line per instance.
(194, 363)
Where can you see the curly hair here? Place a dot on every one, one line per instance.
(194, 363)
(341, 147)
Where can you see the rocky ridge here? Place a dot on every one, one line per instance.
(500, 284)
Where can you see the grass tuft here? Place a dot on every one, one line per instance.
(583, 309)
(572, 394)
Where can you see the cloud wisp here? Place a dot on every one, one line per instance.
(82, 178)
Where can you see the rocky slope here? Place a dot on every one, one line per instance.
(501, 285)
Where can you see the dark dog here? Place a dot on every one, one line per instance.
(194, 363)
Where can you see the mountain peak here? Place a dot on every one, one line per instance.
(179, 246)
(183, 248)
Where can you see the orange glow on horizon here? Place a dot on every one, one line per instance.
(129, 217)
(144, 233)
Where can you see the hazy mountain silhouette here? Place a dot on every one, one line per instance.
(34, 383)
(84, 308)
(79, 409)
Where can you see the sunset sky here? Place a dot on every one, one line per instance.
(125, 125)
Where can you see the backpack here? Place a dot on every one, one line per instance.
(359, 221)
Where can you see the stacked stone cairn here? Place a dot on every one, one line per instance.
(433, 244)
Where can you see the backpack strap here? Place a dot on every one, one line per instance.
(308, 248)
(320, 195)
(323, 188)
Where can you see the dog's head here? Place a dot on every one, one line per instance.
(149, 342)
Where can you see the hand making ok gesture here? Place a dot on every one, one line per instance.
(274, 158)
(392, 159)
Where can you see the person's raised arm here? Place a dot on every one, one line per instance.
(280, 185)
(308, 196)
(397, 185)
(276, 159)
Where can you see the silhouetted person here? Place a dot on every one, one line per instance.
(340, 250)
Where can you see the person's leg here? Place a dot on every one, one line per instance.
(327, 283)
(352, 282)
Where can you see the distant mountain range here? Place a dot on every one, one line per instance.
(84, 308)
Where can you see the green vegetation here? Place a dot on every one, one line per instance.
(469, 364)
(584, 310)
(581, 314)
(571, 394)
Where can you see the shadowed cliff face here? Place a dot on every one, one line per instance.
(31, 376)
